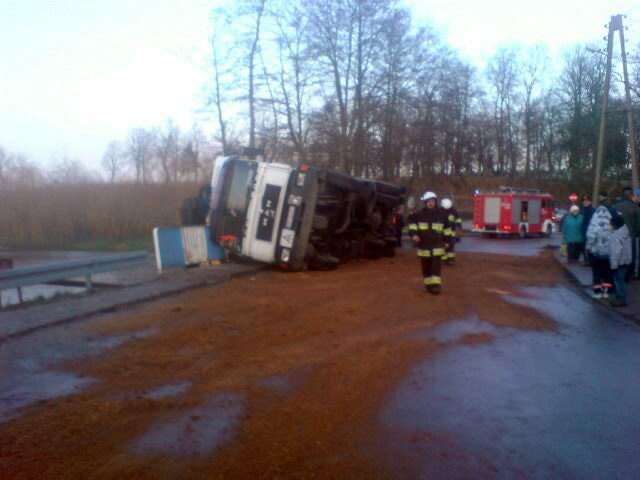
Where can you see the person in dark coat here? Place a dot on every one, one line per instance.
(603, 199)
(397, 220)
(426, 229)
(587, 212)
(631, 214)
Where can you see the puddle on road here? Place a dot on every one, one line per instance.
(31, 387)
(198, 431)
(528, 247)
(26, 380)
(105, 343)
(37, 292)
(449, 332)
(168, 391)
(534, 404)
(287, 382)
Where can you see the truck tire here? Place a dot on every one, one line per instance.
(390, 248)
(320, 222)
(523, 232)
(324, 262)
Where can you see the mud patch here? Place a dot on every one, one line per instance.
(198, 431)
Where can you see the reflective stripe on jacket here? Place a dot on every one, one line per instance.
(430, 225)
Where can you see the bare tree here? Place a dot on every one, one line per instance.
(139, 147)
(70, 171)
(294, 76)
(168, 151)
(532, 72)
(192, 152)
(502, 74)
(114, 160)
(217, 97)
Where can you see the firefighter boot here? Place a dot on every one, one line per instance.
(435, 289)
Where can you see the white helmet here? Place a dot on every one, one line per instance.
(446, 203)
(428, 196)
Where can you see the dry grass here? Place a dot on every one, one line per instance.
(59, 215)
(122, 215)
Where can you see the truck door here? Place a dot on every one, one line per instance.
(516, 212)
(534, 212)
(265, 212)
(491, 210)
(524, 211)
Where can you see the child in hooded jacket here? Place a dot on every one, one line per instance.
(599, 246)
(620, 258)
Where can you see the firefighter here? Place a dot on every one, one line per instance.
(426, 229)
(451, 233)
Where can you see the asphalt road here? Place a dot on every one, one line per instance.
(510, 373)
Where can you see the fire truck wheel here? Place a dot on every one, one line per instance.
(548, 231)
(523, 231)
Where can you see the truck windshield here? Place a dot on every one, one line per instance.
(229, 211)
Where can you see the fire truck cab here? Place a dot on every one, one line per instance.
(512, 211)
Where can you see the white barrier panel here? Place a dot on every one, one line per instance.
(180, 247)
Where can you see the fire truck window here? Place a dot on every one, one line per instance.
(524, 212)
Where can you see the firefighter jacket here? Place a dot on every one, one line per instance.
(429, 225)
(455, 222)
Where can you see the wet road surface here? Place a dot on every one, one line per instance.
(503, 376)
(528, 404)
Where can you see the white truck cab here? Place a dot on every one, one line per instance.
(292, 216)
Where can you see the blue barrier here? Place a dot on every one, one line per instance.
(183, 246)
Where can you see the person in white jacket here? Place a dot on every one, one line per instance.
(620, 258)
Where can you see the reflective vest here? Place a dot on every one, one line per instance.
(454, 220)
(430, 226)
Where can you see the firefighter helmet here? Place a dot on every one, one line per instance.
(428, 196)
(446, 203)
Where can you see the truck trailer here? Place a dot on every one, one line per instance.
(299, 217)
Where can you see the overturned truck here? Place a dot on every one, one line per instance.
(300, 217)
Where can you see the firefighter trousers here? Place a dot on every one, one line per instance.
(431, 267)
(450, 251)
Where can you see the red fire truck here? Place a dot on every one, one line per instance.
(512, 211)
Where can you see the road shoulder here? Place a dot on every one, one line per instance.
(26, 320)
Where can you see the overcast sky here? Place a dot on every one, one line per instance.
(78, 73)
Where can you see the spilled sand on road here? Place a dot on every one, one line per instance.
(312, 356)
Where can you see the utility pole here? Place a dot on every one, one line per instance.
(615, 24)
(627, 93)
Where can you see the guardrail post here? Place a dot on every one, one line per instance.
(87, 281)
(20, 294)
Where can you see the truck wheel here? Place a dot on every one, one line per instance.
(320, 222)
(324, 262)
(523, 232)
(390, 251)
(549, 231)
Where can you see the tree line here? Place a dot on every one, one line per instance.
(356, 85)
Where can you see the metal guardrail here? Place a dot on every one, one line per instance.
(50, 272)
